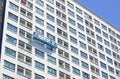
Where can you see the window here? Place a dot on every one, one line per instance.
(63, 54)
(111, 31)
(104, 75)
(99, 38)
(13, 6)
(109, 60)
(62, 33)
(21, 32)
(12, 28)
(85, 65)
(89, 17)
(6, 77)
(62, 24)
(76, 71)
(78, 10)
(13, 17)
(61, 15)
(72, 30)
(100, 47)
(116, 56)
(70, 5)
(105, 34)
(74, 40)
(75, 60)
(91, 41)
(51, 9)
(10, 52)
(25, 59)
(118, 36)
(39, 65)
(52, 71)
(51, 37)
(102, 56)
(71, 21)
(39, 53)
(118, 73)
(40, 2)
(39, 76)
(80, 27)
(82, 36)
(79, 18)
(62, 7)
(83, 55)
(20, 70)
(92, 50)
(114, 47)
(71, 13)
(39, 21)
(117, 64)
(96, 22)
(26, 13)
(51, 1)
(97, 30)
(74, 49)
(9, 66)
(63, 75)
(103, 65)
(62, 43)
(40, 31)
(82, 45)
(104, 27)
(51, 59)
(50, 17)
(25, 23)
(108, 51)
(89, 32)
(28, 47)
(85, 75)
(39, 11)
(24, 34)
(87, 23)
(93, 77)
(111, 69)
(93, 60)
(95, 70)
(64, 65)
(23, 71)
(11, 40)
(50, 27)
(112, 39)
(106, 43)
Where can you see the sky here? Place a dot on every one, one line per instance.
(109, 10)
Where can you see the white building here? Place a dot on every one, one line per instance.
(56, 39)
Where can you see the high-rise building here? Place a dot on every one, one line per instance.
(56, 39)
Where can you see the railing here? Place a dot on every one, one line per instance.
(41, 38)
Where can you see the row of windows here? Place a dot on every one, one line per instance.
(40, 66)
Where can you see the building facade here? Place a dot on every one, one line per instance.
(56, 39)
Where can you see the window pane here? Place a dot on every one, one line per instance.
(10, 52)
(12, 28)
(11, 40)
(9, 66)
(39, 53)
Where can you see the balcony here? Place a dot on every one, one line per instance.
(47, 43)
